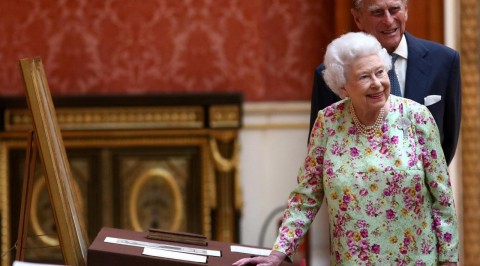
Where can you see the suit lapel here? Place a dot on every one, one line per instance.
(418, 70)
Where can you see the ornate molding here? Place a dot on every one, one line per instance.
(470, 69)
(224, 116)
(166, 204)
(113, 118)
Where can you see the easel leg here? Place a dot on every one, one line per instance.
(30, 160)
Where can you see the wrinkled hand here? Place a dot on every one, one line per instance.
(274, 259)
(447, 263)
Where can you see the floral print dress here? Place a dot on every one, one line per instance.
(389, 196)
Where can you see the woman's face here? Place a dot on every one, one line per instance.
(367, 84)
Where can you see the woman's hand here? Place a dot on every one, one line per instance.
(274, 259)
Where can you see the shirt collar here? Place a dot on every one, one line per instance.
(402, 49)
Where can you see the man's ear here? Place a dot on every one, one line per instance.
(356, 18)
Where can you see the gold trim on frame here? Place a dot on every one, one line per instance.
(224, 116)
(160, 174)
(38, 186)
(113, 118)
(37, 228)
(4, 205)
(221, 163)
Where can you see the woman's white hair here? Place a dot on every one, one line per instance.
(343, 51)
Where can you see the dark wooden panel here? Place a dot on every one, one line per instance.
(425, 19)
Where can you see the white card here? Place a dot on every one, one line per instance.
(143, 244)
(253, 251)
(174, 255)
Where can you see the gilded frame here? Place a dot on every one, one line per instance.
(58, 179)
(470, 139)
(161, 175)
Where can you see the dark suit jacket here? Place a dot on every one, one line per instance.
(432, 69)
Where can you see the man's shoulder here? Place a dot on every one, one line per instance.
(432, 46)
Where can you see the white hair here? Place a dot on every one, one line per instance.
(357, 4)
(343, 51)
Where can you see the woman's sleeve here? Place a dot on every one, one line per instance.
(305, 200)
(443, 206)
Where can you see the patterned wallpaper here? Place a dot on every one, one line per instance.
(266, 49)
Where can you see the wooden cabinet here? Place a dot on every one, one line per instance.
(162, 161)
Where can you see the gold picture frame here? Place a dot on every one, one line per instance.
(58, 178)
(175, 207)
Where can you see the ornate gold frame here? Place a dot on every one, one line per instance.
(160, 174)
(38, 186)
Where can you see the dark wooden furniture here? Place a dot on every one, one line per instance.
(101, 253)
(138, 161)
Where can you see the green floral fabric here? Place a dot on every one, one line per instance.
(389, 197)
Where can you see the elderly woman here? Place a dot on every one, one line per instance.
(377, 161)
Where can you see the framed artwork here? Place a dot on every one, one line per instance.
(58, 178)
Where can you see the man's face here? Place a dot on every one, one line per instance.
(384, 19)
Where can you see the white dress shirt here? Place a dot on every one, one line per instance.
(401, 63)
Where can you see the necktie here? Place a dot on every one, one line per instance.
(394, 84)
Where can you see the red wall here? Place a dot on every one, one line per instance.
(267, 49)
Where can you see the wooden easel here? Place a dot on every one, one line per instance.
(28, 179)
(47, 140)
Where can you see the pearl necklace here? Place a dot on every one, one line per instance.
(368, 131)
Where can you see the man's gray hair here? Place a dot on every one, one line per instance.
(357, 4)
(343, 51)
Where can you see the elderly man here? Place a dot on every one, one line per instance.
(424, 71)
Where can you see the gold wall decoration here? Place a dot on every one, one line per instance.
(156, 198)
(223, 147)
(111, 118)
(41, 217)
(222, 116)
(222, 164)
(470, 140)
(42, 220)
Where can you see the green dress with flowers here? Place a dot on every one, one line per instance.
(389, 196)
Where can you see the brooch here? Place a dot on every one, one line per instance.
(404, 124)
